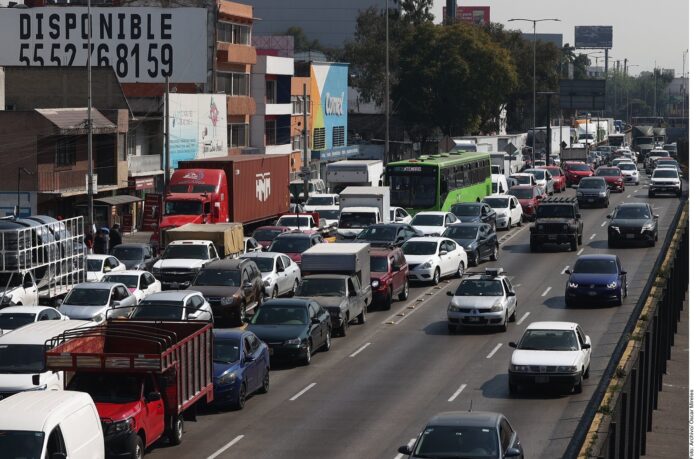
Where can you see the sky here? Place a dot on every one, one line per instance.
(646, 32)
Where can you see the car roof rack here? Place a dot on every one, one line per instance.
(558, 200)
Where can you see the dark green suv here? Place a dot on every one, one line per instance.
(558, 222)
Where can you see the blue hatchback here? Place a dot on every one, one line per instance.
(596, 279)
(241, 366)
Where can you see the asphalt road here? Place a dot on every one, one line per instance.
(377, 387)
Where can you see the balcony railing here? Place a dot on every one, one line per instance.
(61, 181)
(145, 164)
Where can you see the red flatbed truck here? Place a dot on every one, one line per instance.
(144, 377)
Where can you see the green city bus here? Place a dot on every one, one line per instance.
(437, 182)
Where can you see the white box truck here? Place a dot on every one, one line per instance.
(362, 206)
(353, 172)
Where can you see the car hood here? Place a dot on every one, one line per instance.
(545, 358)
(464, 242)
(214, 290)
(478, 302)
(525, 202)
(328, 301)
(612, 178)
(376, 275)
(469, 218)
(419, 259)
(503, 211)
(665, 180)
(426, 230)
(118, 411)
(593, 278)
(16, 382)
(82, 312)
(629, 223)
(179, 263)
(583, 173)
(221, 368)
(275, 333)
(94, 276)
(131, 264)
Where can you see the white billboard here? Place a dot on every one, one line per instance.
(198, 124)
(141, 44)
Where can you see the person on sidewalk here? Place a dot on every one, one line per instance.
(101, 242)
(115, 237)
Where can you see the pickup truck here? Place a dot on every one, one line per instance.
(181, 262)
(143, 377)
(337, 276)
(18, 289)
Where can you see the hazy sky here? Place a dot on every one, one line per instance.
(645, 31)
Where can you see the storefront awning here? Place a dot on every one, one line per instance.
(118, 200)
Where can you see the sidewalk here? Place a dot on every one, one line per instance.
(669, 438)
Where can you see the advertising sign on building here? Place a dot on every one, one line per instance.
(594, 36)
(141, 44)
(480, 15)
(198, 124)
(329, 96)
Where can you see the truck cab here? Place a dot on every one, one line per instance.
(181, 261)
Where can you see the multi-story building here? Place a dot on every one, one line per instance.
(270, 87)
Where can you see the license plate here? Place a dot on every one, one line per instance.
(552, 237)
(592, 293)
(590, 199)
(174, 285)
(541, 379)
(474, 319)
(630, 236)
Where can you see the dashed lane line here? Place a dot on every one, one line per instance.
(564, 269)
(300, 393)
(546, 292)
(594, 235)
(226, 447)
(604, 224)
(580, 251)
(495, 349)
(521, 319)
(411, 442)
(456, 393)
(360, 349)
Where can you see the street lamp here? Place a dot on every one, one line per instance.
(19, 178)
(534, 22)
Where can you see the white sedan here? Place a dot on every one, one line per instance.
(555, 353)
(174, 305)
(629, 171)
(433, 223)
(99, 265)
(508, 211)
(431, 258)
(14, 317)
(544, 179)
(139, 283)
(281, 275)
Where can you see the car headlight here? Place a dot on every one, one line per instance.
(521, 368)
(293, 342)
(612, 285)
(228, 378)
(572, 285)
(634, 173)
(497, 307)
(226, 300)
(647, 227)
(375, 284)
(615, 228)
(452, 308)
(427, 265)
(99, 317)
(602, 193)
(470, 245)
(566, 369)
(578, 193)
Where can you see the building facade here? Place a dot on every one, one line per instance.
(270, 88)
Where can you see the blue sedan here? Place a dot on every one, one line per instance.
(596, 279)
(241, 367)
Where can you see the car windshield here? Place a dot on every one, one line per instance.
(457, 442)
(184, 207)
(218, 277)
(12, 320)
(606, 172)
(632, 213)
(667, 162)
(461, 232)
(378, 233)
(320, 201)
(88, 297)
(554, 172)
(225, 350)
(578, 167)
(428, 220)
(626, 167)
(294, 222)
(94, 265)
(538, 174)
(522, 193)
(265, 264)
(594, 266)
(523, 179)
(322, 287)
(21, 444)
(480, 287)
(466, 210)
(592, 183)
(185, 251)
(289, 245)
(130, 281)
(556, 211)
(497, 203)
(159, 310)
(128, 253)
(419, 248)
(377, 265)
(265, 234)
(280, 315)
(21, 358)
(665, 173)
(356, 219)
(329, 214)
(661, 154)
(108, 387)
(548, 340)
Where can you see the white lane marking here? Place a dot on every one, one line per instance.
(456, 393)
(604, 223)
(410, 445)
(526, 314)
(299, 394)
(546, 292)
(564, 269)
(594, 235)
(226, 447)
(360, 349)
(517, 285)
(580, 251)
(495, 349)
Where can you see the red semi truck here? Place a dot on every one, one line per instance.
(248, 189)
(143, 377)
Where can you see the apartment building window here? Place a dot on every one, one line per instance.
(298, 142)
(238, 135)
(271, 91)
(65, 152)
(235, 84)
(270, 132)
(297, 105)
(319, 138)
(131, 138)
(239, 34)
(339, 135)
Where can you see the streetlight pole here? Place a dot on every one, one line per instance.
(386, 85)
(90, 165)
(534, 23)
(684, 86)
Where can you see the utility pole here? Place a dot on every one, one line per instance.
(548, 95)
(90, 160)
(386, 86)
(167, 150)
(305, 150)
(655, 91)
(684, 84)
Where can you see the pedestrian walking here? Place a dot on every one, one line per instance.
(115, 237)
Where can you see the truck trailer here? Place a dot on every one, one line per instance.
(353, 172)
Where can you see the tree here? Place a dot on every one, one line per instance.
(417, 11)
(452, 79)
(302, 43)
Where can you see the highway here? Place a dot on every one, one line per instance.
(378, 386)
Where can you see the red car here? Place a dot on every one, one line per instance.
(613, 177)
(559, 179)
(389, 275)
(576, 171)
(529, 197)
(294, 242)
(266, 234)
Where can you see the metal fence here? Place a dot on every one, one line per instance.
(619, 414)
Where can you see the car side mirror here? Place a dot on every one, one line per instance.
(512, 344)
(586, 346)
(59, 455)
(578, 215)
(608, 216)
(352, 293)
(512, 293)
(115, 304)
(405, 450)
(443, 253)
(568, 271)
(153, 396)
(450, 293)
(513, 452)
(248, 358)
(623, 273)
(191, 316)
(656, 216)
(281, 269)
(315, 320)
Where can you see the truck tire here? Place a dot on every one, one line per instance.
(137, 449)
(494, 254)
(436, 276)
(343, 328)
(241, 399)
(387, 300)
(307, 358)
(476, 259)
(362, 317)
(176, 431)
(403, 296)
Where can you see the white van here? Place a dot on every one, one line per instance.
(499, 184)
(22, 356)
(51, 424)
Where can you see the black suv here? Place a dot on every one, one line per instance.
(558, 221)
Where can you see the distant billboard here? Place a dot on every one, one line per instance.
(198, 124)
(480, 15)
(594, 36)
(555, 39)
(583, 94)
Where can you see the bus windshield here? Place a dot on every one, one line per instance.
(413, 191)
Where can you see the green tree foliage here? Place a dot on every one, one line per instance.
(629, 96)
(452, 78)
(302, 43)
